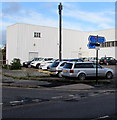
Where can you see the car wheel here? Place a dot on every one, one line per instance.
(60, 74)
(37, 66)
(109, 75)
(81, 76)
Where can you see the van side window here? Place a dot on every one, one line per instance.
(83, 65)
(77, 65)
(88, 65)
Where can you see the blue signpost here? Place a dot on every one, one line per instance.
(93, 39)
(94, 42)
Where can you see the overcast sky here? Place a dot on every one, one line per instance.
(83, 16)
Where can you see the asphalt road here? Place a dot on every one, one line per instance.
(46, 102)
(54, 106)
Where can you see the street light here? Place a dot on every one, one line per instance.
(60, 7)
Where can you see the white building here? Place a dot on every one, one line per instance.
(25, 41)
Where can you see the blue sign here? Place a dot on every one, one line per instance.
(91, 46)
(101, 39)
(96, 39)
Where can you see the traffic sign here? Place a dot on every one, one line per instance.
(93, 45)
(101, 39)
(96, 39)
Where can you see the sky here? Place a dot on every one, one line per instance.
(83, 16)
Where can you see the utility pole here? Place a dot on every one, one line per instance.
(60, 7)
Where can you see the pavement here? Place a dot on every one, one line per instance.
(39, 83)
(75, 87)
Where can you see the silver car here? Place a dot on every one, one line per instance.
(56, 68)
(81, 70)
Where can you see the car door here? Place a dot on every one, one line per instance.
(101, 70)
(89, 69)
(113, 61)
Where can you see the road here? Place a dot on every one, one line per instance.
(48, 102)
(54, 106)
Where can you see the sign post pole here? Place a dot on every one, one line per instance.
(97, 62)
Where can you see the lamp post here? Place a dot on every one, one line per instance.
(60, 7)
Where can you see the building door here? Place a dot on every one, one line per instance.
(33, 55)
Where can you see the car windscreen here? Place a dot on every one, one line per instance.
(55, 64)
(68, 65)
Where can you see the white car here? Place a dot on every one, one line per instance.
(81, 70)
(93, 59)
(36, 64)
(56, 68)
(45, 64)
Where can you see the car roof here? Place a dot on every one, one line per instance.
(81, 62)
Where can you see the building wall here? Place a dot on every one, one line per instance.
(73, 43)
(11, 43)
(21, 42)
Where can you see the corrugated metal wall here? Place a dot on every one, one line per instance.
(21, 41)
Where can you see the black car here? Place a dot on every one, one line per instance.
(27, 64)
(108, 61)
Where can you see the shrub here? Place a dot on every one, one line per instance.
(15, 64)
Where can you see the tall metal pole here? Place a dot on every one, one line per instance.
(60, 31)
(97, 63)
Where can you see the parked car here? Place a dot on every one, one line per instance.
(93, 59)
(27, 63)
(45, 64)
(84, 59)
(108, 61)
(56, 68)
(75, 60)
(81, 70)
(36, 64)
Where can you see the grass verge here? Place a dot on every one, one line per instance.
(56, 79)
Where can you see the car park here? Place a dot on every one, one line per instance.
(57, 66)
(27, 63)
(81, 70)
(36, 64)
(108, 61)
